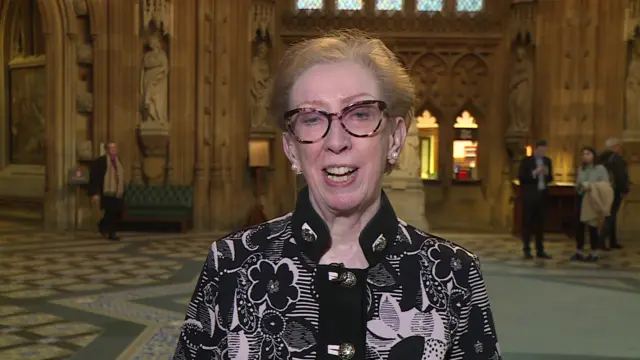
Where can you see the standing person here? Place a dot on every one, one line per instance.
(589, 175)
(106, 185)
(341, 277)
(535, 174)
(613, 161)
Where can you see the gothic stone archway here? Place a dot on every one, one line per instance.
(35, 129)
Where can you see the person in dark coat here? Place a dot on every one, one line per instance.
(615, 164)
(106, 186)
(535, 174)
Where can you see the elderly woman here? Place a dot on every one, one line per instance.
(341, 277)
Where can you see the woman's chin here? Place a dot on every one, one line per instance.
(344, 202)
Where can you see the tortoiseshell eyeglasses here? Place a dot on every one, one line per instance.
(360, 119)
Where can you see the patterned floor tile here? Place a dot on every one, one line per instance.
(30, 293)
(25, 320)
(7, 340)
(10, 310)
(83, 341)
(64, 329)
(34, 352)
(65, 292)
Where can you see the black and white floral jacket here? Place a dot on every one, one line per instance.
(262, 295)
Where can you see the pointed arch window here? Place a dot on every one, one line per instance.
(352, 5)
(469, 5)
(309, 4)
(465, 148)
(427, 125)
(389, 5)
(429, 5)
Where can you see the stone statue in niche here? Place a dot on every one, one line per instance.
(521, 93)
(80, 7)
(154, 84)
(632, 92)
(409, 164)
(260, 83)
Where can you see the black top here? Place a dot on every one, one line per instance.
(262, 295)
(617, 168)
(529, 182)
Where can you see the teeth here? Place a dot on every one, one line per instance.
(340, 178)
(339, 170)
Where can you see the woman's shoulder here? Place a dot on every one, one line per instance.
(251, 238)
(436, 248)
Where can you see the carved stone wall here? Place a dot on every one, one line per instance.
(218, 73)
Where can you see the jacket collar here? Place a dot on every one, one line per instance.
(312, 234)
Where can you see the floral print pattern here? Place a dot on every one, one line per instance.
(257, 298)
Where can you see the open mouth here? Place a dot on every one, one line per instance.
(340, 174)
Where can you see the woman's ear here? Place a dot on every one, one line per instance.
(288, 145)
(397, 138)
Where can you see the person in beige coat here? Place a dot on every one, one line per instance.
(594, 202)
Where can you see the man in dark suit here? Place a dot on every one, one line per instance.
(612, 159)
(106, 185)
(535, 174)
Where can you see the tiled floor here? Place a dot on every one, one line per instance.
(77, 296)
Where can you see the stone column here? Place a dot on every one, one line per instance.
(229, 193)
(404, 186)
(204, 114)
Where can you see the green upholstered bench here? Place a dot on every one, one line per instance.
(159, 203)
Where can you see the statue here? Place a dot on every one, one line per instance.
(632, 92)
(521, 94)
(410, 156)
(260, 87)
(154, 84)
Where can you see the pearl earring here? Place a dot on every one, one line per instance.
(295, 169)
(394, 157)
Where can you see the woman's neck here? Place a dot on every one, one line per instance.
(345, 233)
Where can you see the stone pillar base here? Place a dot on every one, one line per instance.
(407, 197)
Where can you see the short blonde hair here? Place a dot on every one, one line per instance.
(396, 87)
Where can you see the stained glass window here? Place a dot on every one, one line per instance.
(469, 5)
(309, 4)
(389, 5)
(429, 5)
(349, 4)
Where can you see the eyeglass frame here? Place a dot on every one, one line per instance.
(382, 106)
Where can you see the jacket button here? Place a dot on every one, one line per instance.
(347, 279)
(308, 235)
(346, 351)
(380, 244)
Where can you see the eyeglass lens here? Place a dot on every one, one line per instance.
(312, 125)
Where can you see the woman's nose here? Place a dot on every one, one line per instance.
(338, 139)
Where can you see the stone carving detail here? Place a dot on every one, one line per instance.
(84, 151)
(156, 16)
(470, 79)
(84, 54)
(522, 22)
(484, 22)
(409, 162)
(521, 93)
(84, 102)
(261, 22)
(154, 86)
(260, 86)
(430, 76)
(80, 7)
(632, 92)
